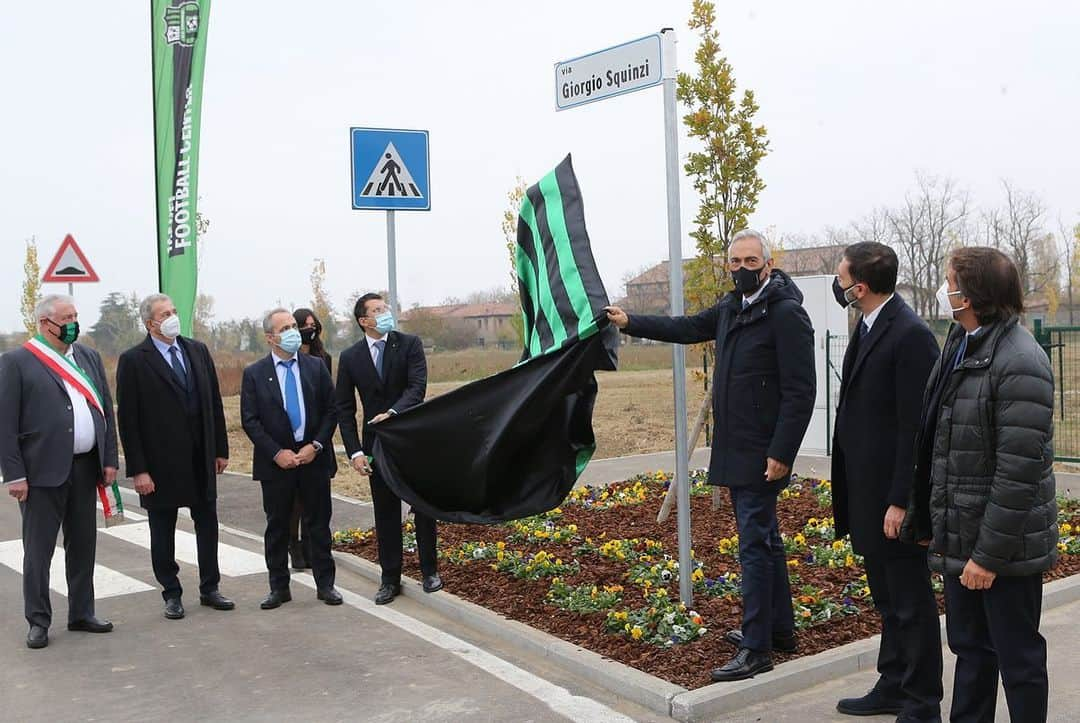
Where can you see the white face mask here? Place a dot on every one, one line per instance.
(943, 295)
(170, 327)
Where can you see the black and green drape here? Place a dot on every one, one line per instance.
(512, 445)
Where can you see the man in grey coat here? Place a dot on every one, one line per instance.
(983, 491)
(57, 443)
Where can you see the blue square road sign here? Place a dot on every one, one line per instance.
(390, 169)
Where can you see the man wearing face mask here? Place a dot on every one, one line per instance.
(763, 398)
(287, 410)
(888, 359)
(172, 427)
(389, 371)
(983, 497)
(57, 443)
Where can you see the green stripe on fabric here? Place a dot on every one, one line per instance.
(527, 279)
(583, 457)
(564, 252)
(547, 302)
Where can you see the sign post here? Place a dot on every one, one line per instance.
(69, 266)
(626, 68)
(390, 171)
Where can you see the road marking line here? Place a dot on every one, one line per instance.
(233, 561)
(557, 698)
(107, 582)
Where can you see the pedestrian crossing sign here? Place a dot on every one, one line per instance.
(390, 169)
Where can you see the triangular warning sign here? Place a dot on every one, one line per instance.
(69, 265)
(390, 177)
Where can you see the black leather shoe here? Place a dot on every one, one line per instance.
(275, 599)
(746, 664)
(217, 601)
(387, 592)
(432, 583)
(780, 643)
(37, 637)
(91, 625)
(873, 703)
(330, 596)
(174, 609)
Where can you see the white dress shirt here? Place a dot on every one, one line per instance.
(870, 318)
(83, 429)
(280, 369)
(164, 348)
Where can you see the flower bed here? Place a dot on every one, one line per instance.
(600, 573)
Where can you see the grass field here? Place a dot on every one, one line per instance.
(634, 414)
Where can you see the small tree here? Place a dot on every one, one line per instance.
(321, 304)
(509, 229)
(725, 169)
(31, 287)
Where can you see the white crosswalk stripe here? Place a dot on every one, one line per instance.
(233, 561)
(107, 582)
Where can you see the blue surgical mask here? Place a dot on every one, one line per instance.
(384, 322)
(290, 341)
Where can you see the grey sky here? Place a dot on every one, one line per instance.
(856, 96)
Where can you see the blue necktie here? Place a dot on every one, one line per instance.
(863, 329)
(292, 396)
(178, 366)
(380, 346)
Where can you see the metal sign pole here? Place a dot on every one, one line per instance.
(678, 352)
(391, 263)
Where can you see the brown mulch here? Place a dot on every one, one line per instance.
(687, 664)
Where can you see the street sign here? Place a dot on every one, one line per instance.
(390, 169)
(69, 265)
(634, 65)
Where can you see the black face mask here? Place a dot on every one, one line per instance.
(308, 335)
(841, 293)
(747, 281)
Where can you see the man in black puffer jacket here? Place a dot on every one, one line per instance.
(984, 496)
(763, 398)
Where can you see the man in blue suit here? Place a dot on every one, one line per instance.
(287, 410)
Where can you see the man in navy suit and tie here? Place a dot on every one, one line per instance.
(287, 410)
(389, 372)
(873, 464)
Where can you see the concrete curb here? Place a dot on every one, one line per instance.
(626, 682)
(649, 691)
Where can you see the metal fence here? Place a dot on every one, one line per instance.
(1062, 345)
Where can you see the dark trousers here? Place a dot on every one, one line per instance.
(909, 659)
(47, 510)
(992, 631)
(766, 589)
(163, 548)
(387, 507)
(299, 542)
(312, 484)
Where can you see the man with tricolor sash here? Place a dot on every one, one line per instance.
(57, 444)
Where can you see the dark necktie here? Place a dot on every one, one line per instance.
(178, 366)
(863, 329)
(380, 347)
(960, 354)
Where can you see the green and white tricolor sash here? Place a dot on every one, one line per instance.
(68, 371)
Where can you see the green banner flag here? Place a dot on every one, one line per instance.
(178, 46)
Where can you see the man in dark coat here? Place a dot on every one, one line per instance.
(983, 497)
(763, 398)
(172, 427)
(389, 371)
(57, 443)
(885, 368)
(287, 409)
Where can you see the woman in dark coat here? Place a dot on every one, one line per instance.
(311, 337)
(983, 498)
